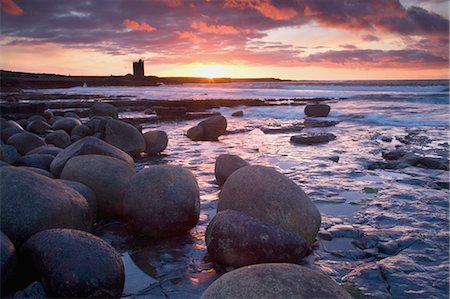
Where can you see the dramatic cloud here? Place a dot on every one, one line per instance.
(220, 29)
(133, 25)
(265, 7)
(11, 8)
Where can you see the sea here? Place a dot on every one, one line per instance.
(385, 231)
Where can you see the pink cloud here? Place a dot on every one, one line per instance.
(219, 29)
(265, 7)
(189, 35)
(133, 25)
(173, 3)
(11, 8)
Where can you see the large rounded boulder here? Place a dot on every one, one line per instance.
(265, 194)
(38, 127)
(41, 161)
(235, 239)
(225, 165)
(209, 129)
(58, 138)
(108, 177)
(124, 136)
(162, 201)
(317, 110)
(8, 260)
(87, 193)
(75, 264)
(87, 146)
(155, 142)
(25, 142)
(275, 280)
(66, 124)
(31, 202)
(103, 109)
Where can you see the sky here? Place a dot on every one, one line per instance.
(287, 39)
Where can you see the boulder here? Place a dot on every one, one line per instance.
(87, 193)
(162, 200)
(87, 146)
(81, 130)
(31, 202)
(46, 149)
(235, 239)
(66, 124)
(25, 142)
(38, 171)
(195, 133)
(311, 139)
(265, 194)
(75, 264)
(71, 114)
(58, 138)
(227, 164)
(275, 280)
(41, 161)
(239, 113)
(124, 136)
(108, 177)
(316, 123)
(317, 110)
(36, 117)
(97, 124)
(103, 109)
(10, 154)
(8, 132)
(8, 260)
(155, 142)
(38, 127)
(23, 122)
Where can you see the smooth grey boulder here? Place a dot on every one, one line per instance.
(46, 149)
(311, 139)
(8, 260)
(81, 130)
(155, 142)
(235, 239)
(41, 161)
(162, 200)
(87, 193)
(58, 138)
(36, 117)
(124, 136)
(10, 154)
(38, 127)
(8, 132)
(239, 113)
(209, 129)
(66, 124)
(25, 142)
(265, 194)
(97, 124)
(38, 171)
(317, 110)
(273, 281)
(75, 264)
(108, 177)
(225, 165)
(103, 109)
(87, 146)
(195, 133)
(31, 202)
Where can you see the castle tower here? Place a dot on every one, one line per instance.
(138, 68)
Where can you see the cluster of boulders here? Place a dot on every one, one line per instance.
(52, 194)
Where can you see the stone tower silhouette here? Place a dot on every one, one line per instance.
(138, 68)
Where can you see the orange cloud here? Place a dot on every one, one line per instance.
(220, 29)
(172, 3)
(11, 8)
(133, 25)
(189, 35)
(265, 7)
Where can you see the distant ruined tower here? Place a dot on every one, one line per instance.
(138, 68)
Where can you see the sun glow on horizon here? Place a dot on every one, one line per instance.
(210, 71)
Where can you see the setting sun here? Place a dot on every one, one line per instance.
(210, 71)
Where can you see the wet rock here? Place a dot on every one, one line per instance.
(239, 113)
(268, 195)
(124, 136)
(367, 280)
(282, 129)
(317, 110)
(108, 177)
(66, 124)
(195, 133)
(36, 117)
(58, 138)
(162, 201)
(324, 235)
(211, 129)
(38, 171)
(8, 132)
(44, 204)
(72, 263)
(10, 154)
(344, 231)
(87, 193)
(8, 260)
(170, 112)
(25, 142)
(46, 149)
(316, 123)
(103, 109)
(155, 142)
(149, 111)
(81, 130)
(310, 139)
(274, 280)
(97, 124)
(432, 163)
(41, 161)
(237, 240)
(225, 165)
(87, 146)
(386, 138)
(334, 159)
(38, 127)
(393, 155)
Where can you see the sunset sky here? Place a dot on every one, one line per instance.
(288, 39)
